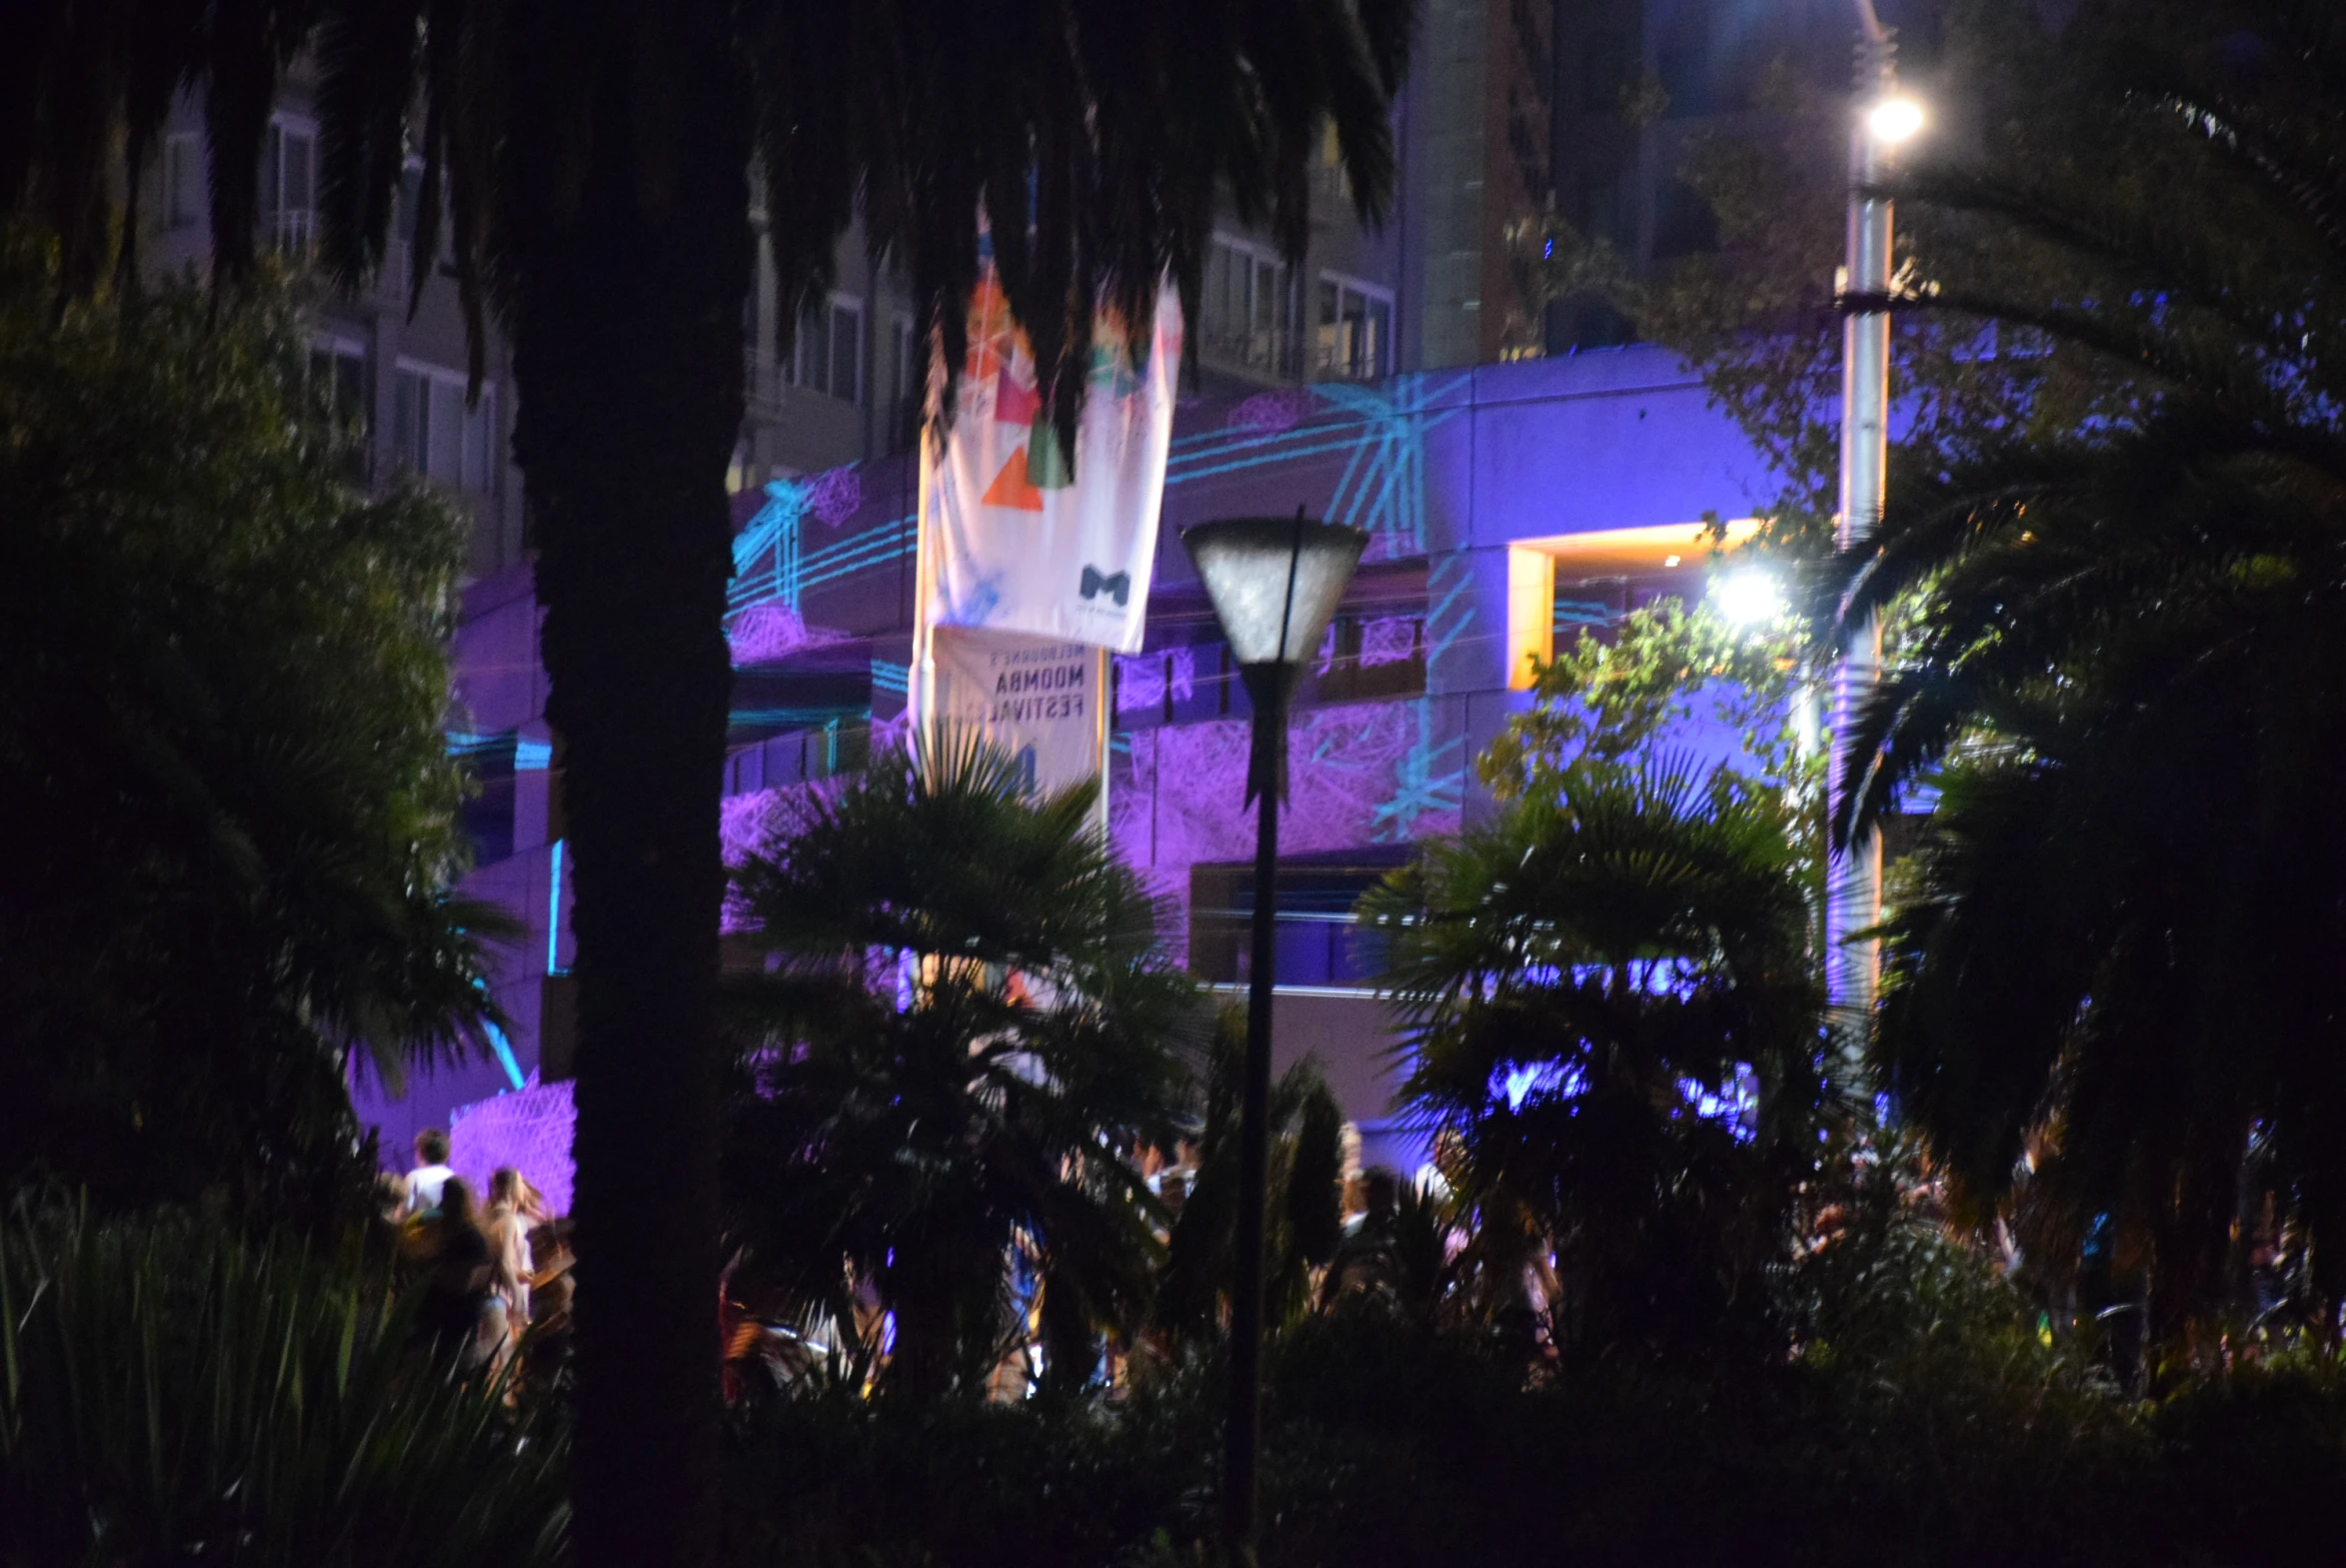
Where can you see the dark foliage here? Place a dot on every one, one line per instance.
(2109, 1001)
(222, 677)
(1956, 1440)
(937, 1147)
(1300, 1194)
(1616, 1031)
(171, 1393)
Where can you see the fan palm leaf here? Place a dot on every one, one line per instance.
(934, 1145)
(1612, 1020)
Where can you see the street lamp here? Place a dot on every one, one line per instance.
(1893, 120)
(1747, 598)
(1885, 119)
(1275, 584)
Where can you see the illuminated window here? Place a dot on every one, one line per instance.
(1320, 941)
(1353, 330)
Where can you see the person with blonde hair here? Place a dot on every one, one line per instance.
(507, 1225)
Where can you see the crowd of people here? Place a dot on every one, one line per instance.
(492, 1281)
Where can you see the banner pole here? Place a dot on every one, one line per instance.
(921, 690)
(1107, 705)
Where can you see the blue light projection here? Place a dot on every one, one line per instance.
(1417, 789)
(554, 911)
(1378, 432)
(499, 1045)
(505, 1056)
(767, 561)
(1382, 487)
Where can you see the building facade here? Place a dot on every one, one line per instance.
(1392, 380)
(1504, 502)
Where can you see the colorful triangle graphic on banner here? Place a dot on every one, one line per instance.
(1011, 489)
(1046, 463)
(1014, 404)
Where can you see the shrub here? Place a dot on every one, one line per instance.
(169, 1393)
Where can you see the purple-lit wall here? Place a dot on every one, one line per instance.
(1446, 471)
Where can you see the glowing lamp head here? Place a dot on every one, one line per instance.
(1894, 120)
(1275, 582)
(1747, 598)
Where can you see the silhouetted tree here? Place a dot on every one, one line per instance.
(594, 162)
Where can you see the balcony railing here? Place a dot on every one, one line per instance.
(1268, 352)
(293, 231)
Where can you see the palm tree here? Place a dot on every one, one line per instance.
(942, 1147)
(1615, 1026)
(220, 733)
(596, 162)
(2108, 1000)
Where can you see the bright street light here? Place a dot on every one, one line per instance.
(1747, 598)
(1894, 120)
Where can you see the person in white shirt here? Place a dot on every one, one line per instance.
(424, 1183)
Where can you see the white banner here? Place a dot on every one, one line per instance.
(1013, 538)
(1042, 701)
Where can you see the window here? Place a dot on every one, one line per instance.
(1247, 314)
(1354, 334)
(336, 393)
(829, 357)
(289, 184)
(912, 382)
(400, 258)
(1319, 940)
(182, 180)
(436, 434)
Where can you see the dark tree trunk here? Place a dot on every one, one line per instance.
(628, 352)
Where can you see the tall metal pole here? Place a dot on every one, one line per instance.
(1245, 1429)
(1854, 880)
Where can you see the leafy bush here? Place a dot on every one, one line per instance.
(1963, 1440)
(2255, 1459)
(831, 1479)
(222, 680)
(171, 1394)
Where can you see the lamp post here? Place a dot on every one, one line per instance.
(1882, 119)
(1275, 582)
